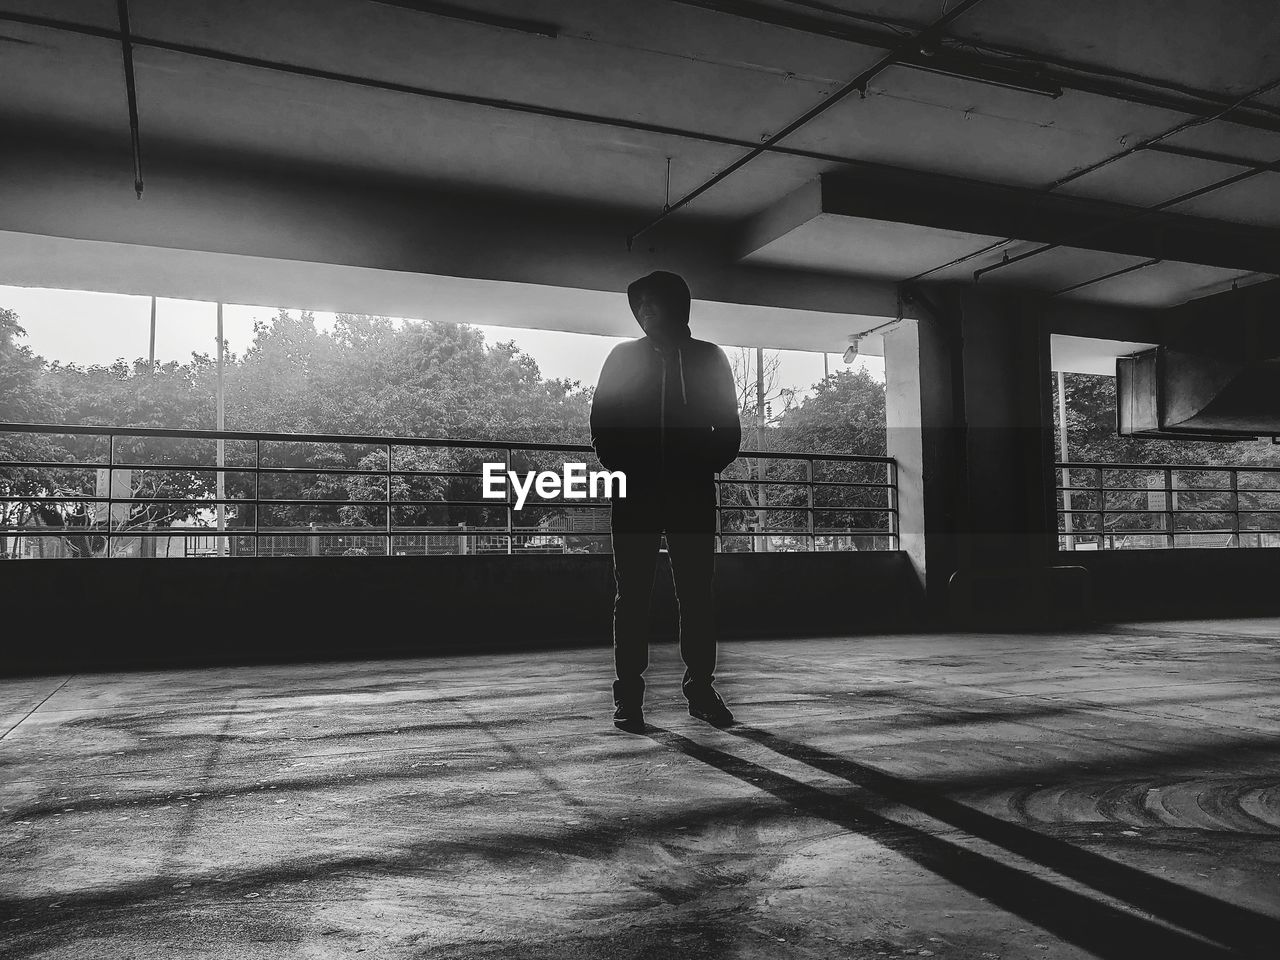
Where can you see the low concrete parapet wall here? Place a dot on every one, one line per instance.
(73, 614)
(1181, 583)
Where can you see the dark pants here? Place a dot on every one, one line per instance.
(686, 514)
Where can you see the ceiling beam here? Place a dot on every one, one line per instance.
(987, 210)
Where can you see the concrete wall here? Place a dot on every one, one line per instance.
(113, 613)
(1169, 584)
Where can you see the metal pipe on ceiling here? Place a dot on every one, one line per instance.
(1212, 156)
(947, 63)
(1038, 69)
(131, 93)
(452, 11)
(1108, 276)
(963, 258)
(857, 84)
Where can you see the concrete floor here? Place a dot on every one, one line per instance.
(1110, 794)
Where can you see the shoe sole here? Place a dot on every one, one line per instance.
(714, 719)
(630, 726)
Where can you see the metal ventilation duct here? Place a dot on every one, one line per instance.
(1175, 395)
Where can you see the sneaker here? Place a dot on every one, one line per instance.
(628, 716)
(711, 708)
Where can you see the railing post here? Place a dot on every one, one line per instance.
(1068, 520)
(808, 470)
(719, 536)
(507, 453)
(257, 497)
(894, 533)
(1233, 473)
(1168, 508)
(111, 479)
(388, 499)
(1102, 511)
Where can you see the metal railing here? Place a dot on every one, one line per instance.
(786, 502)
(1162, 506)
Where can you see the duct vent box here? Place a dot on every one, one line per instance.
(1164, 393)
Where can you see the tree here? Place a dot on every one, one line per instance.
(26, 396)
(844, 414)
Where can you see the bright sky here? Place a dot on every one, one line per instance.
(81, 327)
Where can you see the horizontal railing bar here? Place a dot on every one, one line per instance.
(1138, 532)
(380, 532)
(752, 482)
(298, 502)
(1181, 511)
(1176, 467)
(58, 532)
(803, 509)
(1161, 490)
(460, 474)
(858, 532)
(557, 504)
(373, 440)
(52, 465)
(839, 457)
(71, 498)
(349, 471)
(876, 484)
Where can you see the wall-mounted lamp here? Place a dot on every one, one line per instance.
(855, 340)
(851, 351)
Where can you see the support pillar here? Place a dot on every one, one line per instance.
(922, 433)
(969, 415)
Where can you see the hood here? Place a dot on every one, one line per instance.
(674, 293)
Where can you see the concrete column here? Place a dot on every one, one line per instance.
(1008, 417)
(970, 424)
(922, 438)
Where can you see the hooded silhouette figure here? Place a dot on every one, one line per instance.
(665, 413)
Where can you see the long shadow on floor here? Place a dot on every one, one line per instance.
(1207, 916)
(1097, 926)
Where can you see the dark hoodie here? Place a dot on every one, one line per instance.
(665, 408)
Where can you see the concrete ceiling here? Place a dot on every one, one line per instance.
(648, 80)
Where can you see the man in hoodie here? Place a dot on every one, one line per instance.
(665, 413)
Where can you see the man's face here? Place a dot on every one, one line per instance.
(656, 314)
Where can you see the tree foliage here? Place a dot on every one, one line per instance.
(1092, 437)
(366, 376)
(845, 413)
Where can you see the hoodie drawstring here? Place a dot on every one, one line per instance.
(680, 357)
